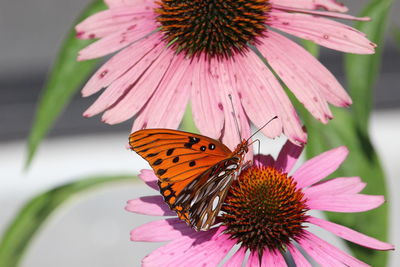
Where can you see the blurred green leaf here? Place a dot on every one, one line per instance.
(65, 78)
(396, 36)
(362, 70)
(33, 215)
(187, 123)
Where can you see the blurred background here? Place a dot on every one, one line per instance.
(93, 230)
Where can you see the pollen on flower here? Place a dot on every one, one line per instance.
(264, 209)
(218, 28)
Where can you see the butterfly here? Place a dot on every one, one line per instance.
(194, 171)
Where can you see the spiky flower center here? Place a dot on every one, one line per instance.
(218, 28)
(264, 209)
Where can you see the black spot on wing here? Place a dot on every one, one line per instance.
(192, 163)
(157, 162)
(161, 172)
(211, 146)
(170, 151)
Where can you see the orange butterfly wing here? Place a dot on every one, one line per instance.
(194, 171)
(177, 158)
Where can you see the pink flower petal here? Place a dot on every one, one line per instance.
(325, 32)
(140, 92)
(108, 21)
(124, 3)
(258, 104)
(350, 235)
(160, 231)
(277, 50)
(330, 5)
(125, 83)
(168, 255)
(166, 107)
(237, 259)
(136, 55)
(272, 258)
(113, 42)
(149, 205)
(288, 156)
(149, 178)
(266, 82)
(207, 249)
(298, 258)
(253, 260)
(222, 76)
(264, 160)
(320, 166)
(337, 186)
(320, 13)
(324, 80)
(328, 85)
(206, 105)
(326, 254)
(345, 203)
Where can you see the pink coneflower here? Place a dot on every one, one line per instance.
(175, 51)
(264, 215)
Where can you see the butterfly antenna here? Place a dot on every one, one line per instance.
(235, 118)
(262, 127)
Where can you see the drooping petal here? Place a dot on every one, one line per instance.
(337, 186)
(320, 166)
(160, 231)
(330, 5)
(345, 203)
(176, 249)
(206, 104)
(264, 160)
(109, 21)
(265, 81)
(149, 178)
(277, 50)
(325, 32)
(350, 235)
(139, 94)
(206, 250)
(234, 116)
(298, 258)
(120, 88)
(121, 3)
(166, 107)
(320, 13)
(142, 26)
(132, 61)
(237, 259)
(324, 80)
(288, 156)
(259, 105)
(149, 205)
(272, 258)
(253, 260)
(326, 254)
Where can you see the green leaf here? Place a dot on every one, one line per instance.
(396, 36)
(362, 70)
(66, 77)
(33, 215)
(187, 123)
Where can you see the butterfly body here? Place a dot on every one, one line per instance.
(194, 171)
